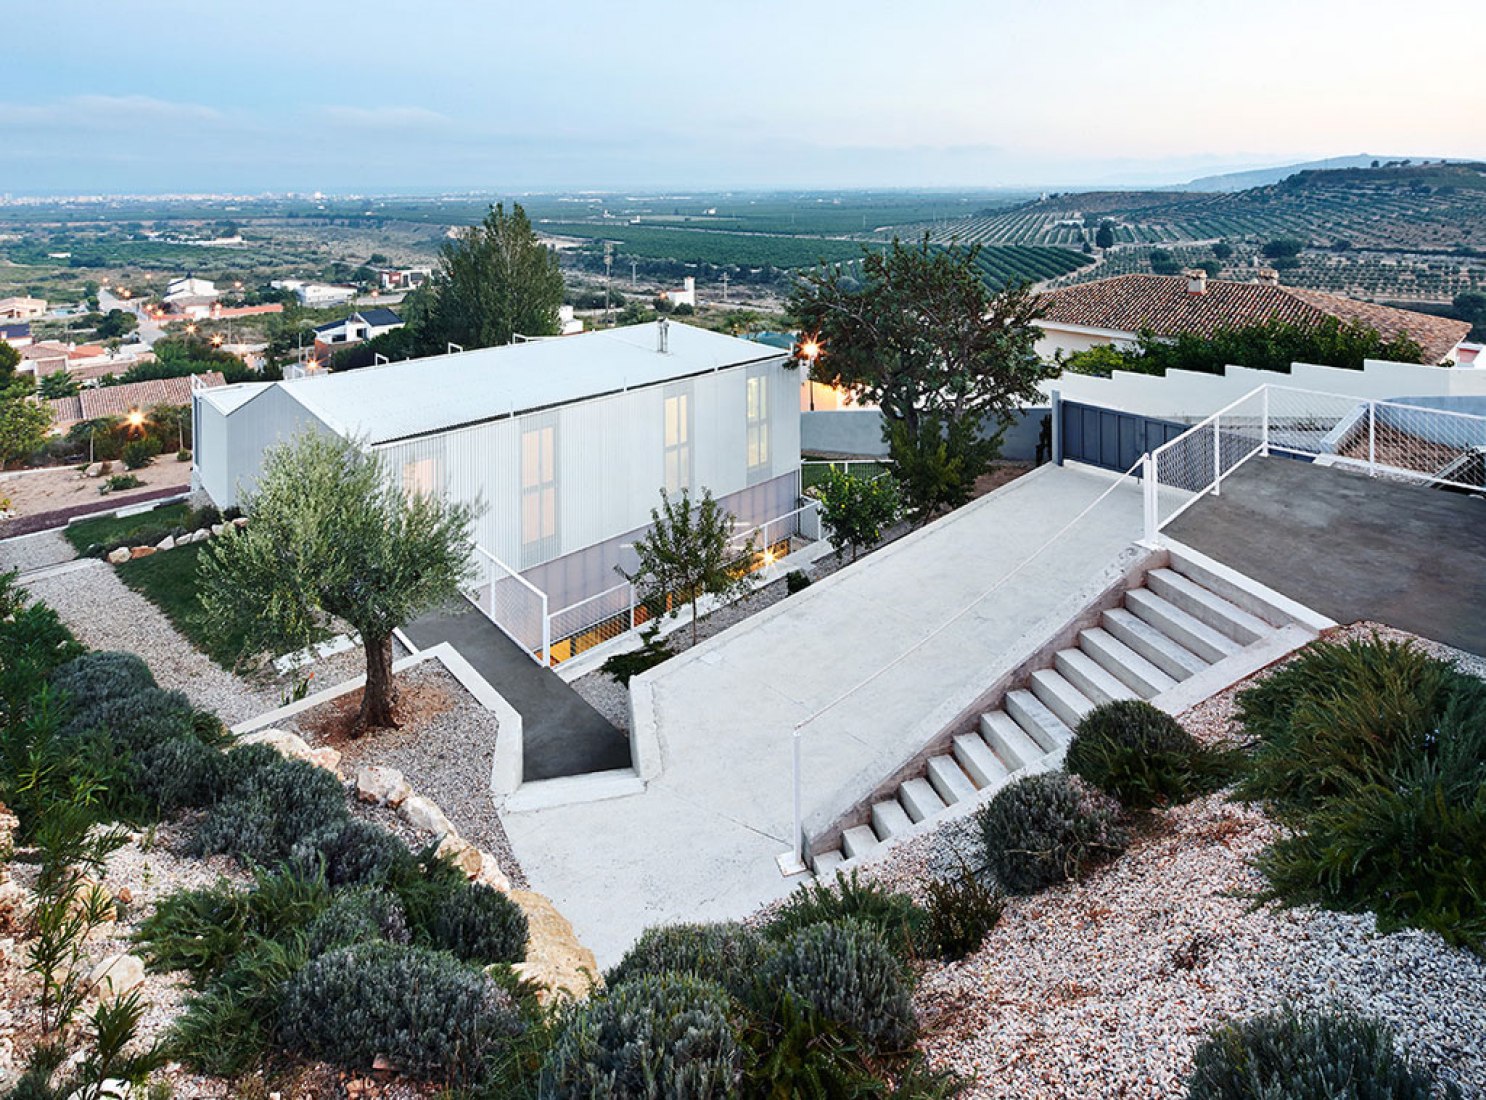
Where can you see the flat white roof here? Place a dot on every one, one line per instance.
(227, 398)
(421, 396)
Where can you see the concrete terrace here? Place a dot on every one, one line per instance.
(700, 842)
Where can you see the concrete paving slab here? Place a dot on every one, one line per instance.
(701, 842)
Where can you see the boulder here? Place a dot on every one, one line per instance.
(167, 543)
(292, 745)
(554, 958)
(424, 815)
(240, 521)
(491, 874)
(116, 975)
(119, 556)
(141, 551)
(218, 528)
(384, 786)
(95, 470)
(201, 535)
(462, 854)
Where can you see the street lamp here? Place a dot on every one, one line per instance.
(809, 351)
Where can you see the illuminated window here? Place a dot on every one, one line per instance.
(678, 442)
(538, 492)
(418, 477)
(758, 423)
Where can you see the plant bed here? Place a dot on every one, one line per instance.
(117, 529)
(170, 582)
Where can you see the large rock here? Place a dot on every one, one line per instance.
(425, 815)
(116, 976)
(292, 745)
(218, 528)
(201, 534)
(240, 521)
(167, 543)
(554, 957)
(384, 786)
(94, 470)
(491, 874)
(119, 556)
(462, 854)
(141, 551)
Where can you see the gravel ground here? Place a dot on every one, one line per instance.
(105, 613)
(1104, 988)
(445, 751)
(38, 551)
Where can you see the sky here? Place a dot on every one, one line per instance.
(245, 96)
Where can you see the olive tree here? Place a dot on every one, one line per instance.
(856, 509)
(332, 542)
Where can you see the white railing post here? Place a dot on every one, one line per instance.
(546, 634)
(1372, 439)
(1217, 457)
(793, 862)
(1148, 477)
(632, 623)
(1264, 423)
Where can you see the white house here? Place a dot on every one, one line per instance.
(364, 325)
(685, 296)
(567, 442)
(189, 287)
(22, 309)
(321, 295)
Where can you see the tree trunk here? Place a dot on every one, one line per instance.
(693, 621)
(381, 693)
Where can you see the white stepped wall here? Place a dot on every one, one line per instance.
(1190, 395)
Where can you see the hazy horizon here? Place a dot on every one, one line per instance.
(372, 98)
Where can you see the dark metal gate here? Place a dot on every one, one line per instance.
(1108, 438)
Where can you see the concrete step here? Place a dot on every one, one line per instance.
(1208, 606)
(979, 762)
(949, 779)
(1179, 626)
(1090, 677)
(889, 818)
(1133, 670)
(1061, 697)
(1275, 608)
(1013, 744)
(920, 799)
(1041, 724)
(1174, 659)
(858, 842)
(826, 863)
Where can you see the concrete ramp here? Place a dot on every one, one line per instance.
(870, 646)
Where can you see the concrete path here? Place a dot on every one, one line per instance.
(561, 734)
(1352, 547)
(700, 843)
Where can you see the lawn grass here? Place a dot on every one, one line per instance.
(169, 580)
(814, 472)
(106, 529)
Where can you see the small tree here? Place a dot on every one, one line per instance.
(938, 466)
(23, 423)
(689, 552)
(333, 540)
(856, 509)
(1104, 237)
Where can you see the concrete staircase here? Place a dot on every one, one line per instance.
(1190, 630)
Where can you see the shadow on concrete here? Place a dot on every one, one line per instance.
(562, 734)
(1352, 547)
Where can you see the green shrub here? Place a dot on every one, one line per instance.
(1339, 710)
(480, 924)
(625, 666)
(204, 516)
(140, 721)
(139, 453)
(660, 1035)
(269, 804)
(183, 455)
(181, 773)
(958, 914)
(232, 1024)
(1290, 1057)
(847, 973)
(893, 914)
(96, 678)
(1142, 756)
(727, 953)
(352, 852)
(1046, 829)
(119, 482)
(796, 581)
(361, 915)
(33, 642)
(430, 1014)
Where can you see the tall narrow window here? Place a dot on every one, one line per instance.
(678, 442)
(758, 423)
(418, 477)
(538, 493)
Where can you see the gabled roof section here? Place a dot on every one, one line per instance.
(423, 396)
(1164, 305)
(380, 317)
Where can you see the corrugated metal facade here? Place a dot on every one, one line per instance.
(230, 447)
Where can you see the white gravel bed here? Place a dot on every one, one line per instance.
(105, 613)
(446, 756)
(36, 551)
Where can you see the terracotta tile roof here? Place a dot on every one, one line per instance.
(1163, 304)
(102, 401)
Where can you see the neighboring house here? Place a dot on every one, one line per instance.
(686, 296)
(403, 278)
(365, 325)
(190, 287)
(321, 295)
(101, 401)
(567, 442)
(22, 309)
(568, 324)
(1115, 311)
(16, 335)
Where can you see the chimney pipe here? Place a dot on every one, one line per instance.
(662, 336)
(1196, 280)
(1267, 276)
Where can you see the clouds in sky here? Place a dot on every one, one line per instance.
(451, 94)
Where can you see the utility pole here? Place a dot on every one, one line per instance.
(724, 287)
(608, 278)
(634, 273)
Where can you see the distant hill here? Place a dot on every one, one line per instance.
(1260, 177)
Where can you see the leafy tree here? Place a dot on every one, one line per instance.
(1270, 345)
(495, 281)
(172, 423)
(688, 552)
(1102, 360)
(332, 540)
(59, 383)
(115, 323)
(23, 423)
(1470, 305)
(938, 465)
(856, 508)
(1283, 248)
(1104, 237)
(1222, 250)
(920, 335)
(9, 360)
